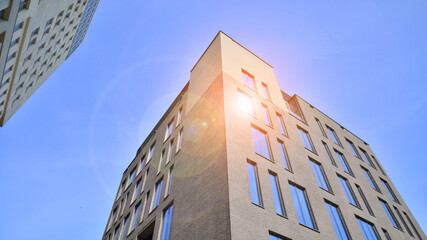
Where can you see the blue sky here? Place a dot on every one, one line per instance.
(63, 153)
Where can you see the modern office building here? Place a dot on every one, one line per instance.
(234, 157)
(36, 36)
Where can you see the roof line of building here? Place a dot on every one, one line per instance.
(231, 40)
(331, 119)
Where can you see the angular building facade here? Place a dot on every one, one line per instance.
(36, 36)
(234, 157)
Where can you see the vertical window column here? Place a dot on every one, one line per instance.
(254, 184)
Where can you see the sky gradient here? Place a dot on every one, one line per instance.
(63, 153)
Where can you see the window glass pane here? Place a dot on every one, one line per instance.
(329, 153)
(320, 177)
(369, 233)
(403, 221)
(301, 207)
(305, 139)
(125, 227)
(353, 149)
(343, 162)
(370, 180)
(272, 237)
(170, 180)
(248, 80)
(151, 153)
(180, 139)
(260, 143)
(365, 200)
(284, 155)
(178, 119)
(277, 196)
(137, 188)
(266, 115)
(136, 216)
(412, 225)
(333, 136)
(281, 124)
(348, 192)
(390, 214)
(158, 193)
(253, 184)
(167, 216)
(266, 92)
(245, 103)
(389, 190)
(337, 222)
(320, 127)
(367, 158)
(170, 152)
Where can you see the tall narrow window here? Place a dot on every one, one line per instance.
(294, 109)
(343, 163)
(162, 156)
(365, 201)
(306, 139)
(378, 164)
(302, 207)
(334, 136)
(131, 176)
(113, 218)
(157, 194)
(338, 221)
(390, 214)
(245, 103)
(169, 180)
(260, 142)
(412, 225)
(387, 236)
(275, 236)
(141, 164)
(320, 175)
(125, 225)
(320, 127)
(135, 216)
(353, 148)
(254, 184)
(169, 130)
(248, 80)
(117, 232)
(146, 205)
(170, 151)
(281, 124)
(368, 229)
(403, 221)
(370, 179)
(367, 158)
(329, 153)
(266, 114)
(284, 155)
(348, 191)
(151, 152)
(266, 92)
(389, 190)
(179, 117)
(277, 194)
(167, 217)
(179, 143)
(136, 192)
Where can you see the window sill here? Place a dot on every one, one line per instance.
(313, 229)
(271, 160)
(258, 205)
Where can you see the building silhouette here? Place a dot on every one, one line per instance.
(36, 36)
(234, 157)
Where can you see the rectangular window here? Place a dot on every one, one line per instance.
(170, 152)
(179, 117)
(368, 229)
(281, 124)
(125, 225)
(254, 184)
(284, 155)
(390, 214)
(338, 221)
(136, 192)
(319, 173)
(365, 201)
(245, 103)
(14, 42)
(117, 232)
(305, 137)
(412, 225)
(277, 194)
(320, 127)
(389, 190)
(131, 176)
(113, 218)
(178, 145)
(142, 163)
(294, 110)
(260, 142)
(329, 153)
(167, 217)
(266, 92)
(10, 57)
(157, 194)
(248, 80)
(378, 164)
(370, 179)
(18, 26)
(23, 5)
(367, 158)
(334, 136)
(343, 163)
(169, 130)
(275, 236)
(146, 204)
(403, 221)
(168, 190)
(151, 152)
(353, 148)
(348, 191)
(302, 206)
(266, 114)
(387, 236)
(135, 216)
